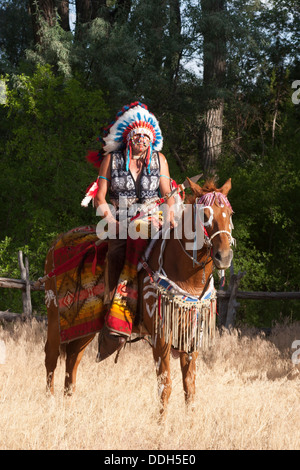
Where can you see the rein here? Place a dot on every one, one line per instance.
(195, 261)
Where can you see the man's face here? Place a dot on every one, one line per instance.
(140, 143)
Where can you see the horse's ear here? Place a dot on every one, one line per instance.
(226, 187)
(197, 190)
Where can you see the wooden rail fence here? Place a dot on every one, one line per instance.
(26, 286)
(227, 299)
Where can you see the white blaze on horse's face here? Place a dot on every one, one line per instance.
(220, 234)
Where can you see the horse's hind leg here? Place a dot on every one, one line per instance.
(74, 351)
(161, 354)
(188, 369)
(52, 346)
(52, 354)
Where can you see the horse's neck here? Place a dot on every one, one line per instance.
(179, 267)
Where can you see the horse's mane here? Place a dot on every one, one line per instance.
(208, 195)
(208, 187)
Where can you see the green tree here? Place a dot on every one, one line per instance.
(50, 124)
(15, 34)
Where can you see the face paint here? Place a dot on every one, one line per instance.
(138, 138)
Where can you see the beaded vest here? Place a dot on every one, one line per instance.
(123, 184)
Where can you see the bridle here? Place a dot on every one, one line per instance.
(231, 239)
(208, 239)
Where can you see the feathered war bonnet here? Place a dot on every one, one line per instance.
(132, 119)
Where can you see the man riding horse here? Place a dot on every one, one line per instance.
(133, 168)
(92, 284)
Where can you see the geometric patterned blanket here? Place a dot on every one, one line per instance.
(80, 283)
(123, 308)
(79, 278)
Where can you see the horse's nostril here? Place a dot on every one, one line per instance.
(218, 256)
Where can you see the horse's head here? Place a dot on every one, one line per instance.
(217, 220)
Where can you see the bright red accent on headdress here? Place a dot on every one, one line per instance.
(130, 152)
(137, 125)
(94, 157)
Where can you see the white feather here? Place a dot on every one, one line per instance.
(85, 201)
(88, 197)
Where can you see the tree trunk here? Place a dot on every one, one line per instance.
(83, 11)
(212, 135)
(175, 54)
(87, 10)
(214, 61)
(41, 10)
(63, 11)
(96, 5)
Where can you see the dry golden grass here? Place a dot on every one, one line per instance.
(247, 397)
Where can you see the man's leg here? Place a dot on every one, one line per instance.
(110, 342)
(114, 264)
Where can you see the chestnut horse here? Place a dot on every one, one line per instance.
(188, 269)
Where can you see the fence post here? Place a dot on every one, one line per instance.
(26, 293)
(223, 304)
(232, 304)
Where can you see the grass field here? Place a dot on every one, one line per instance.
(248, 397)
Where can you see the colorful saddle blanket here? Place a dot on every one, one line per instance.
(79, 264)
(79, 283)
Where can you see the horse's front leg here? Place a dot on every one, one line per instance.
(188, 369)
(161, 354)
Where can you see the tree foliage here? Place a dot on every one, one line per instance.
(50, 124)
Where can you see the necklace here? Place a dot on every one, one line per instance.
(139, 156)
